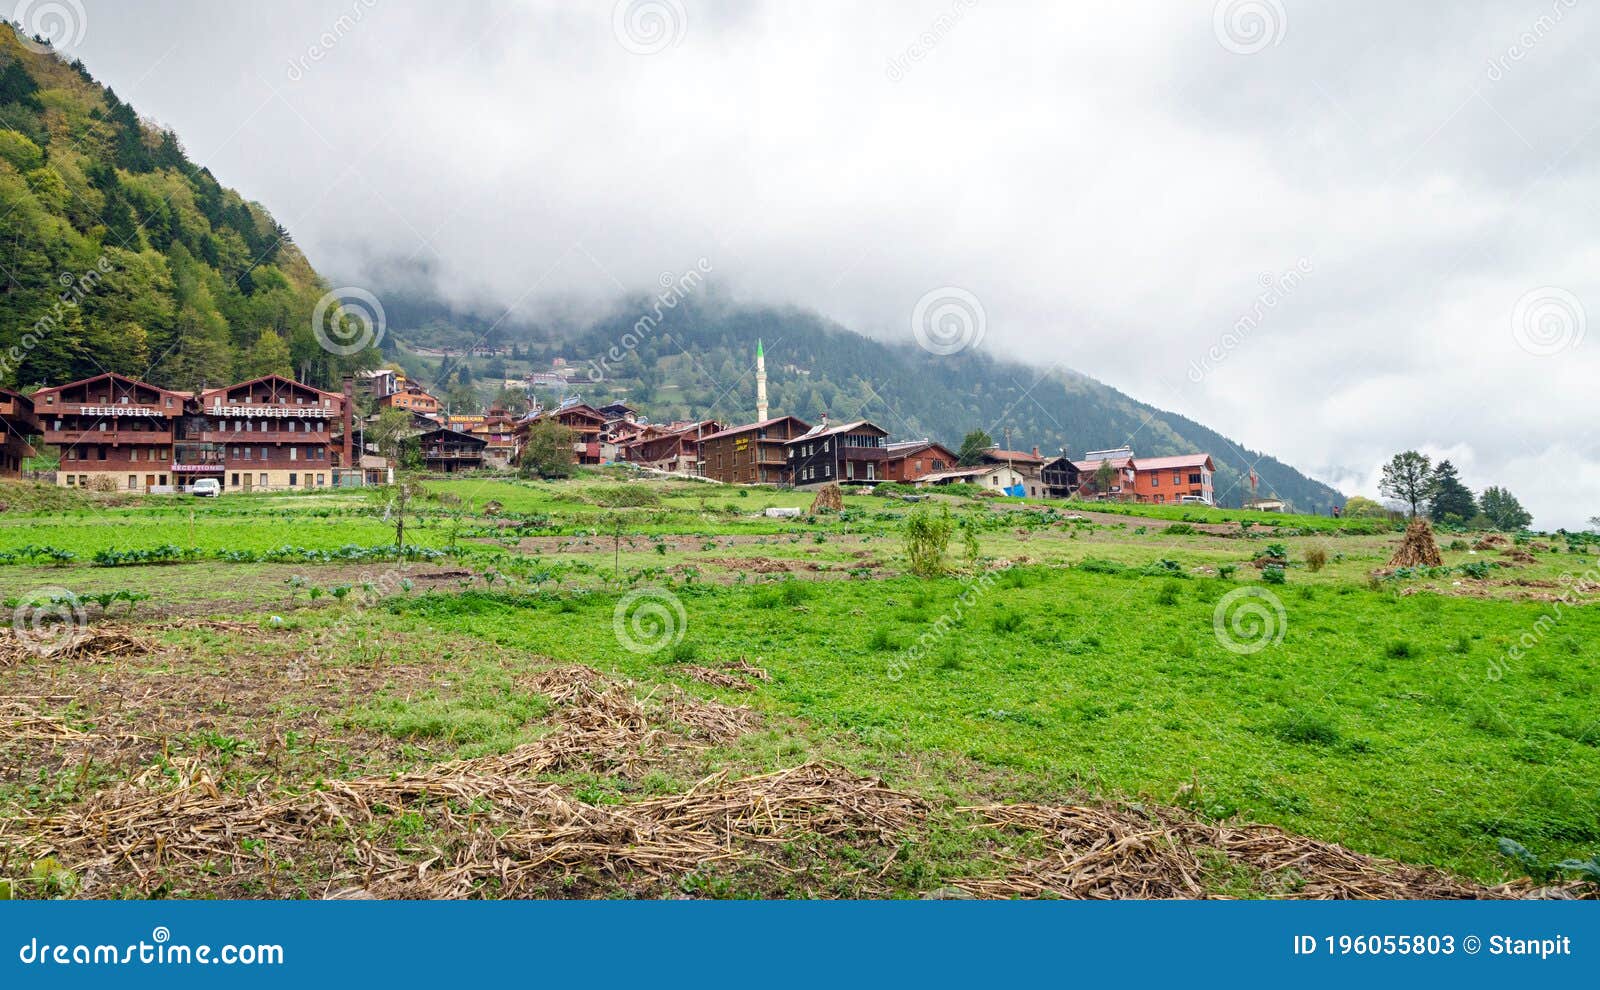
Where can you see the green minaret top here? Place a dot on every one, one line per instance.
(758, 347)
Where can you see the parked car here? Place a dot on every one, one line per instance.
(206, 488)
(1193, 500)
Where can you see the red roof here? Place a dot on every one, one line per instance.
(1166, 463)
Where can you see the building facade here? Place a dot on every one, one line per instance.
(112, 432)
(1164, 480)
(20, 423)
(851, 453)
(447, 451)
(752, 454)
(913, 459)
(269, 433)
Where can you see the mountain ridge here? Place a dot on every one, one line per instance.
(696, 361)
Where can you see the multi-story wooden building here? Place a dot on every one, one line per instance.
(1060, 477)
(584, 421)
(848, 453)
(752, 454)
(112, 431)
(447, 451)
(909, 460)
(410, 397)
(1106, 475)
(20, 424)
(676, 449)
(266, 433)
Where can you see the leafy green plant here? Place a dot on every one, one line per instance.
(927, 537)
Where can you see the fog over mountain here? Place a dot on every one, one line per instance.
(1328, 231)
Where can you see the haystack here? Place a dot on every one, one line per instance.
(1417, 548)
(1490, 542)
(829, 499)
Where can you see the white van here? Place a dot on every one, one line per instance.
(206, 488)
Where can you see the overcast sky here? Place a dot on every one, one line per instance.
(1402, 197)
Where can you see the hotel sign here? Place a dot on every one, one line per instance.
(117, 411)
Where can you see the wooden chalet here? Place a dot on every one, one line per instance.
(752, 454)
(1060, 477)
(447, 451)
(912, 459)
(112, 431)
(585, 421)
(16, 415)
(676, 449)
(266, 433)
(849, 453)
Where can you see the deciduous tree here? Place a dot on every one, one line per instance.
(1406, 478)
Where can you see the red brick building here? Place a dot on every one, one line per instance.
(1164, 480)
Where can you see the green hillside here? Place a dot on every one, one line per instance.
(123, 255)
(699, 362)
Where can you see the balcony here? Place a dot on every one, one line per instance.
(264, 436)
(115, 438)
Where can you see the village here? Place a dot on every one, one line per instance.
(115, 433)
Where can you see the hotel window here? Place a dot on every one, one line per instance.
(133, 481)
(1177, 477)
(1155, 481)
(294, 479)
(294, 453)
(263, 481)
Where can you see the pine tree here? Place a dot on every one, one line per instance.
(1503, 509)
(1448, 499)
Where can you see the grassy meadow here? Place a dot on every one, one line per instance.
(1235, 667)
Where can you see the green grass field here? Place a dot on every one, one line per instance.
(1071, 653)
